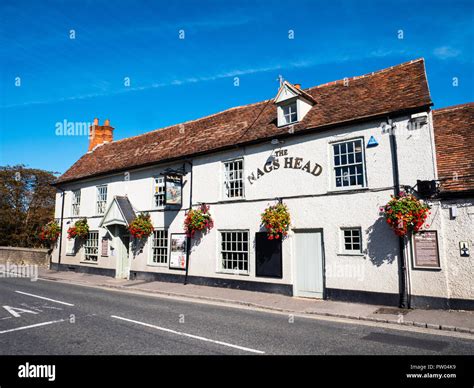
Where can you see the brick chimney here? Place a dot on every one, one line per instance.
(100, 134)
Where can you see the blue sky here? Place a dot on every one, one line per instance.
(173, 80)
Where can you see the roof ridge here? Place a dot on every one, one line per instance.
(265, 101)
(368, 74)
(454, 107)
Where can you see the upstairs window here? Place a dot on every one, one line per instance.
(159, 191)
(349, 164)
(290, 114)
(76, 202)
(101, 199)
(234, 178)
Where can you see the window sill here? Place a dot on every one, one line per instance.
(89, 262)
(348, 189)
(350, 254)
(223, 272)
(163, 265)
(288, 125)
(234, 199)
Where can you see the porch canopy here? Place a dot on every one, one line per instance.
(119, 212)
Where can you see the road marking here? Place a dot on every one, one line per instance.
(31, 326)
(42, 297)
(189, 335)
(16, 311)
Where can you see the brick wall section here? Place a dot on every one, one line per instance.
(454, 138)
(398, 88)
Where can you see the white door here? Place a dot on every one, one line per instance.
(309, 264)
(123, 260)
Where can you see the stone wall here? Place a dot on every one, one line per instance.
(24, 256)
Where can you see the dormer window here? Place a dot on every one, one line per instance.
(292, 104)
(290, 114)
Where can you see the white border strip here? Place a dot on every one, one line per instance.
(42, 297)
(190, 335)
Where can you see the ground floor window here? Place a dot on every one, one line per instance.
(235, 251)
(160, 247)
(351, 240)
(91, 247)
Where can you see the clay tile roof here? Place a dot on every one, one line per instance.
(399, 88)
(454, 138)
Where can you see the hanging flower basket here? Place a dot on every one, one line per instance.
(276, 220)
(141, 227)
(405, 213)
(50, 232)
(79, 230)
(198, 220)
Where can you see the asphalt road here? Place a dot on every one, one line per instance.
(89, 321)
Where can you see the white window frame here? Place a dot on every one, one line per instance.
(220, 263)
(101, 204)
(286, 116)
(225, 179)
(151, 241)
(161, 187)
(76, 202)
(89, 248)
(333, 164)
(351, 252)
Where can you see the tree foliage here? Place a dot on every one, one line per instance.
(27, 202)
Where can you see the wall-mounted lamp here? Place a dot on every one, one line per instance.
(388, 127)
(453, 211)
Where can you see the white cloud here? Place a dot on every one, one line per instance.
(445, 52)
(176, 82)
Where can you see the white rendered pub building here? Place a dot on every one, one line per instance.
(333, 154)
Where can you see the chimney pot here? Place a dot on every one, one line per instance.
(297, 86)
(100, 134)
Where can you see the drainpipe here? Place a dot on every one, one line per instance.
(61, 226)
(188, 239)
(404, 302)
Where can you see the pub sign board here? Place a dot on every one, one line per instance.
(178, 251)
(173, 190)
(426, 252)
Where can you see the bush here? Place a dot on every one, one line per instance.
(50, 232)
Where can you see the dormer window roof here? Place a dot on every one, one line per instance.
(292, 104)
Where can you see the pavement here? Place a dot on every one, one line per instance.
(61, 318)
(447, 320)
